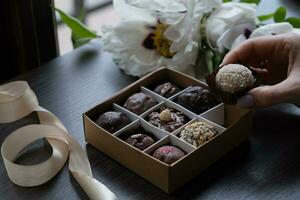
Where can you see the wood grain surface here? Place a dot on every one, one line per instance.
(267, 166)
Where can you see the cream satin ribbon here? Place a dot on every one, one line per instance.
(17, 100)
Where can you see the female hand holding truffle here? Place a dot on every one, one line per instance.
(276, 60)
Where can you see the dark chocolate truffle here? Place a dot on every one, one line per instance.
(168, 154)
(139, 103)
(167, 119)
(197, 99)
(112, 121)
(140, 141)
(167, 90)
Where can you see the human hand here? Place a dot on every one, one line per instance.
(276, 59)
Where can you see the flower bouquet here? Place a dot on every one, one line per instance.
(191, 36)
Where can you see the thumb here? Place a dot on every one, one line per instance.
(265, 96)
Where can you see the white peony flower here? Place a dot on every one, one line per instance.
(205, 7)
(230, 24)
(147, 38)
(266, 30)
(272, 29)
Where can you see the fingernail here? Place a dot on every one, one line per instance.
(222, 64)
(246, 101)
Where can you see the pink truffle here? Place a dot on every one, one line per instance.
(168, 154)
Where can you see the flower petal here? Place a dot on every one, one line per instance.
(272, 29)
(225, 19)
(158, 5)
(184, 31)
(234, 36)
(167, 11)
(130, 12)
(128, 37)
(205, 6)
(131, 67)
(184, 60)
(296, 30)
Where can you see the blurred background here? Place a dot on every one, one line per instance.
(101, 12)
(98, 13)
(32, 33)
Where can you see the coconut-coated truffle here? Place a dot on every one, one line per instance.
(233, 78)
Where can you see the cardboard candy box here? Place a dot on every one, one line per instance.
(232, 124)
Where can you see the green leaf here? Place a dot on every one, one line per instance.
(294, 21)
(76, 26)
(280, 14)
(82, 14)
(265, 17)
(79, 41)
(216, 60)
(250, 1)
(225, 1)
(209, 63)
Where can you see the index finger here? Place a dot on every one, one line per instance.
(254, 51)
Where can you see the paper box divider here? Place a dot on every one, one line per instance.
(173, 98)
(170, 104)
(174, 141)
(156, 134)
(129, 114)
(217, 127)
(215, 114)
(157, 97)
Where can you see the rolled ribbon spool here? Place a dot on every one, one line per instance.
(17, 100)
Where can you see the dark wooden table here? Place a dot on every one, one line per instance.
(265, 167)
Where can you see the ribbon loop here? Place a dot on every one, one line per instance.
(17, 100)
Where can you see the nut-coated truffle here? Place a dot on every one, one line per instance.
(233, 78)
(197, 99)
(139, 103)
(140, 141)
(198, 133)
(167, 90)
(112, 121)
(168, 154)
(167, 119)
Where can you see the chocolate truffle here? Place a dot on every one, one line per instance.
(198, 133)
(233, 78)
(167, 90)
(167, 119)
(168, 154)
(112, 121)
(140, 141)
(197, 99)
(139, 103)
